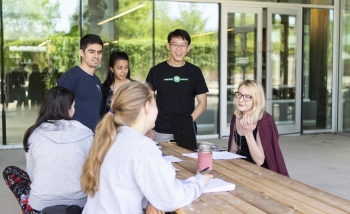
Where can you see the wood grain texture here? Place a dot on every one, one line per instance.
(258, 190)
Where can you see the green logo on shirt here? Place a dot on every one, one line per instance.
(176, 79)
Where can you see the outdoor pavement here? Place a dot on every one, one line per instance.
(319, 160)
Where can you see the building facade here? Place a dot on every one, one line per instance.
(298, 50)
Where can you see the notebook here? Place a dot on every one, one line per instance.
(184, 131)
(218, 185)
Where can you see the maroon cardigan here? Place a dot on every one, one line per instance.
(269, 139)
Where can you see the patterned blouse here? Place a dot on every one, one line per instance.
(109, 99)
(110, 96)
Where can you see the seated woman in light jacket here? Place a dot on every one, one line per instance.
(253, 132)
(55, 148)
(125, 171)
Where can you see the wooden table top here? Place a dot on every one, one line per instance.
(258, 190)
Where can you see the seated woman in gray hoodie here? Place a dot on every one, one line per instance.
(55, 148)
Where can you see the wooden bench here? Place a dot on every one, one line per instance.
(258, 190)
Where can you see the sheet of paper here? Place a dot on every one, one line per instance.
(175, 169)
(226, 155)
(218, 185)
(217, 155)
(171, 158)
(191, 155)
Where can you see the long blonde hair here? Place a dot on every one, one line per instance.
(126, 104)
(258, 99)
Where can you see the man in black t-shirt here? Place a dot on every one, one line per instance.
(84, 83)
(177, 84)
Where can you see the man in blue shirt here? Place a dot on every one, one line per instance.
(84, 83)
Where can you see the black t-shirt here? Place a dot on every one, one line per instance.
(88, 95)
(176, 89)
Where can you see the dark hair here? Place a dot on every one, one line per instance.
(56, 105)
(179, 33)
(115, 55)
(90, 39)
(22, 63)
(35, 67)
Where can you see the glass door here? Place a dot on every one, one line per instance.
(283, 73)
(241, 51)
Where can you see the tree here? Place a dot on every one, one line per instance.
(29, 19)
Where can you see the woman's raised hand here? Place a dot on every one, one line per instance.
(247, 124)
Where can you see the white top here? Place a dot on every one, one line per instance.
(57, 151)
(134, 173)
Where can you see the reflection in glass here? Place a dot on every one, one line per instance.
(283, 68)
(241, 53)
(315, 2)
(129, 28)
(318, 2)
(42, 42)
(124, 25)
(344, 68)
(318, 64)
(41, 39)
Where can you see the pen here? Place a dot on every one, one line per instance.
(204, 170)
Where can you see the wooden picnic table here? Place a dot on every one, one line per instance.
(258, 190)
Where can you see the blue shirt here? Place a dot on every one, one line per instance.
(88, 95)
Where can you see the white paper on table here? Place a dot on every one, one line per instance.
(171, 158)
(175, 169)
(226, 155)
(218, 185)
(191, 155)
(217, 155)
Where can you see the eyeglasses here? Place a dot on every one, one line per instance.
(175, 46)
(246, 97)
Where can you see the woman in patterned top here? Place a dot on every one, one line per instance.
(118, 75)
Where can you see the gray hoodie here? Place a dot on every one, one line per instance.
(57, 151)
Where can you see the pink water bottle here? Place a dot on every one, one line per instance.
(205, 158)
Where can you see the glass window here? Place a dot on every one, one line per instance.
(241, 54)
(284, 67)
(201, 20)
(41, 40)
(319, 2)
(316, 2)
(344, 69)
(318, 69)
(128, 26)
(124, 25)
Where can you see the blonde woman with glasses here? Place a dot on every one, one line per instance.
(253, 132)
(125, 171)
